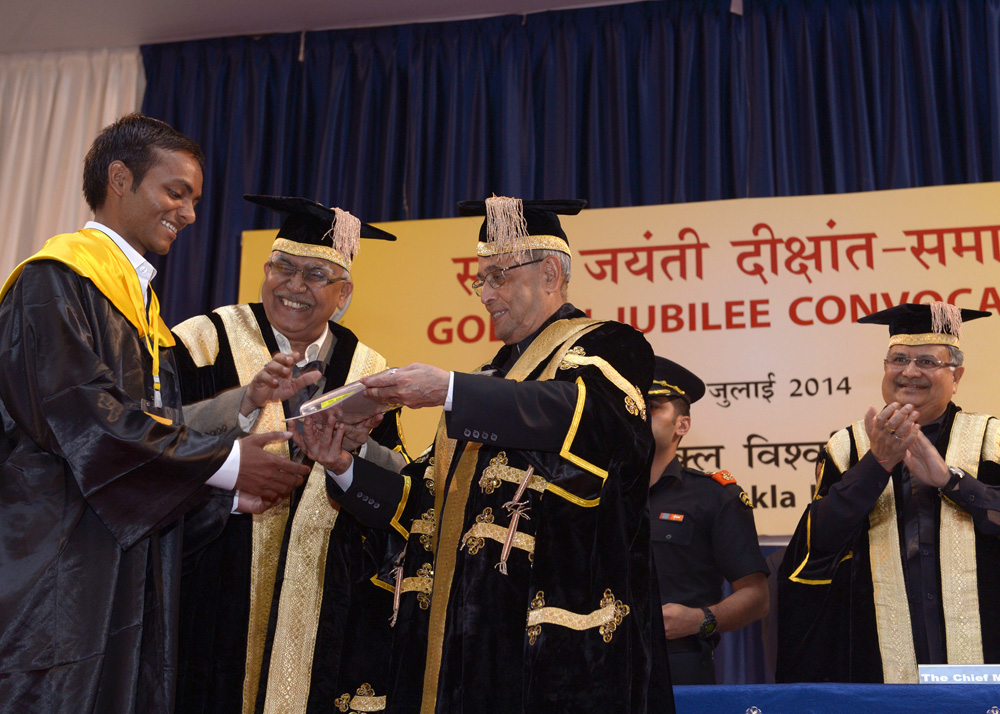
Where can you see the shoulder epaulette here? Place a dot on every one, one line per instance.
(724, 477)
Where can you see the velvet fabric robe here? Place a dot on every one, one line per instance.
(561, 623)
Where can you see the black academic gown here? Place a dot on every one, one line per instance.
(93, 494)
(827, 615)
(563, 623)
(224, 594)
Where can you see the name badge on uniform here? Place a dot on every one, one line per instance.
(671, 516)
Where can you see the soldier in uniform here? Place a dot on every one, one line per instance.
(703, 532)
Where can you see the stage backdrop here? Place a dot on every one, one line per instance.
(757, 296)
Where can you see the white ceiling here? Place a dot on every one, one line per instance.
(40, 25)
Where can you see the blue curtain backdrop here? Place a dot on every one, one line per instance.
(657, 102)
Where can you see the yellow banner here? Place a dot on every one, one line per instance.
(756, 296)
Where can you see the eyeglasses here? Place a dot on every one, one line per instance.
(313, 277)
(924, 364)
(496, 278)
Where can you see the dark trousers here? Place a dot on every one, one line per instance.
(692, 661)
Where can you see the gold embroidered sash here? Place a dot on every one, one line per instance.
(960, 596)
(450, 525)
(250, 355)
(957, 558)
(294, 644)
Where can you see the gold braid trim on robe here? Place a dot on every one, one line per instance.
(956, 556)
(201, 339)
(451, 521)
(839, 450)
(302, 588)
(301, 596)
(957, 548)
(892, 609)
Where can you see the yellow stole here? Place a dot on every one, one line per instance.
(957, 556)
(93, 255)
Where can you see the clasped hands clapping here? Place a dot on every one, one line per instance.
(895, 436)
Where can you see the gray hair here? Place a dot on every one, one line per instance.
(564, 262)
(955, 355)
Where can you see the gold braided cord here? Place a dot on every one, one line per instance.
(522, 541)
(307, 250)
(498, 471)
(250, 354)
(926, 338)
(666, 389)
(606, 618)
(957, 544)
(201, 339)
(540, 242)
(610, 373)
(423, 525)
(418, 584)
(368, 704)
(364, 700)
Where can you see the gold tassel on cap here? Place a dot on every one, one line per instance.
(345, 233)
(506, 228)
(946, 319)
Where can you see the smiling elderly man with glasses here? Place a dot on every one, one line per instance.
(270, 584)
(525, 582)
(896, 562)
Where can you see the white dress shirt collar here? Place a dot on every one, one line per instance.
(312, 351)
(143, 268)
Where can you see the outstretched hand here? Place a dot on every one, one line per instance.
(276, 383)
(415, 385)
(266, 475)
(322, 440)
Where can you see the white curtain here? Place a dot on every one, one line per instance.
(52, 106)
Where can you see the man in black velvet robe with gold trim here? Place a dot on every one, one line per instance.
(525, 582)
(98, 475)
(896, 562)
(284, 611)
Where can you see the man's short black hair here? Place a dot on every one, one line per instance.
(133, 140)
(681, 405)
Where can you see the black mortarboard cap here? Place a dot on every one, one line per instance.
(312, 230)
(672, 380)
(516, 226)
(935, 323)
